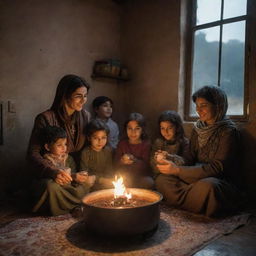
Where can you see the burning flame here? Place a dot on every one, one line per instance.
(120, 189)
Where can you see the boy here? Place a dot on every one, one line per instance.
(102, 107)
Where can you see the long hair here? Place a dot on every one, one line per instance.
(174, 118)
(67, 85)
(139, 118)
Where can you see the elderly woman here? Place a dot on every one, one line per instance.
(51, 189)
(207, 187)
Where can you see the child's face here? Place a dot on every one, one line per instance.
(168, 130)
(134, 132)
(98, 140)
(57, 148)
(104, 111)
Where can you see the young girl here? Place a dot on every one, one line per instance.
(172, 144)
(76, 185)
(96, 158)
(133, 154)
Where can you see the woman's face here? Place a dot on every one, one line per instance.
(134, 132)
(77, 100)
(205, 110)
(168, 130)
(98, 140)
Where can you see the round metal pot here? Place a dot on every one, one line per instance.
(120, 221)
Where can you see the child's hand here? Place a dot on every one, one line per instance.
(83, 177)
(127, 159)
(160, 155)
(63, 177)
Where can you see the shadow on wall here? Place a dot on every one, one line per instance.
(248, 144)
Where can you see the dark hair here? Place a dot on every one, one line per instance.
(174, 118)
(96, 125)
(216, 96)
(98, 101)
(50, 134)
(67, 85)
(139, 118)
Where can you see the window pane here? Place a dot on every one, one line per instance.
(206, 58)
(234, 8)
(232, 65)
(207, 11)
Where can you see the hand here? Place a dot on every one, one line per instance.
(127, 159)
(81, 177)
(168, 167)
(160, 155)
(63, 177)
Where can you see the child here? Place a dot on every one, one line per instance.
(64, 192)
(96, 158)
(133, 154)
(103, 107)
(172, 145)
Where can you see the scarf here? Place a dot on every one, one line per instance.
(210, 135)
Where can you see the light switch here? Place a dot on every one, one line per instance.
(11, 107)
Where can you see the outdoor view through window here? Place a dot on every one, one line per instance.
(218, 54)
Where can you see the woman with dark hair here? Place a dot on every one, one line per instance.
(172, 143)
(209, 186)
(66, 112)
(133, 153)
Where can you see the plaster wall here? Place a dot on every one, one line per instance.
(153, 46)
(150, 41)
(40, 42)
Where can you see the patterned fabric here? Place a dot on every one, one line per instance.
(63, 235)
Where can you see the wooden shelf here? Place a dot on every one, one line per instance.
(118, 78)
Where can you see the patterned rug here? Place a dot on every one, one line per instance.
(179, 233)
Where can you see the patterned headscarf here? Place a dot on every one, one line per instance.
(208, 135)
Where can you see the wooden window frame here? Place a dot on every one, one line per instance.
(189, 44)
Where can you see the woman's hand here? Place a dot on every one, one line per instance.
(127, 159)
(168, 167)
(63, 177)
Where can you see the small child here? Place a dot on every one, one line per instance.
(72, 185)
(133, 154)
(96, 158)
(172, 145)
(103, 107)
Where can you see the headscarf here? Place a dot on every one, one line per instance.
(209, 135)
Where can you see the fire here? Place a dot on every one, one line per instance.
(120, 189)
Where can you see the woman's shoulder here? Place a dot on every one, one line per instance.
(48, 114)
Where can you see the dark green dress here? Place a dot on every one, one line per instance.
(97, 163)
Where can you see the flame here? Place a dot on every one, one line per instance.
(120, 189)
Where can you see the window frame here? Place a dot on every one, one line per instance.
(189, 44)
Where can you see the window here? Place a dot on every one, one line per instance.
(217, 52)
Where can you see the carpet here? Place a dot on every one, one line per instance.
(179, 234)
